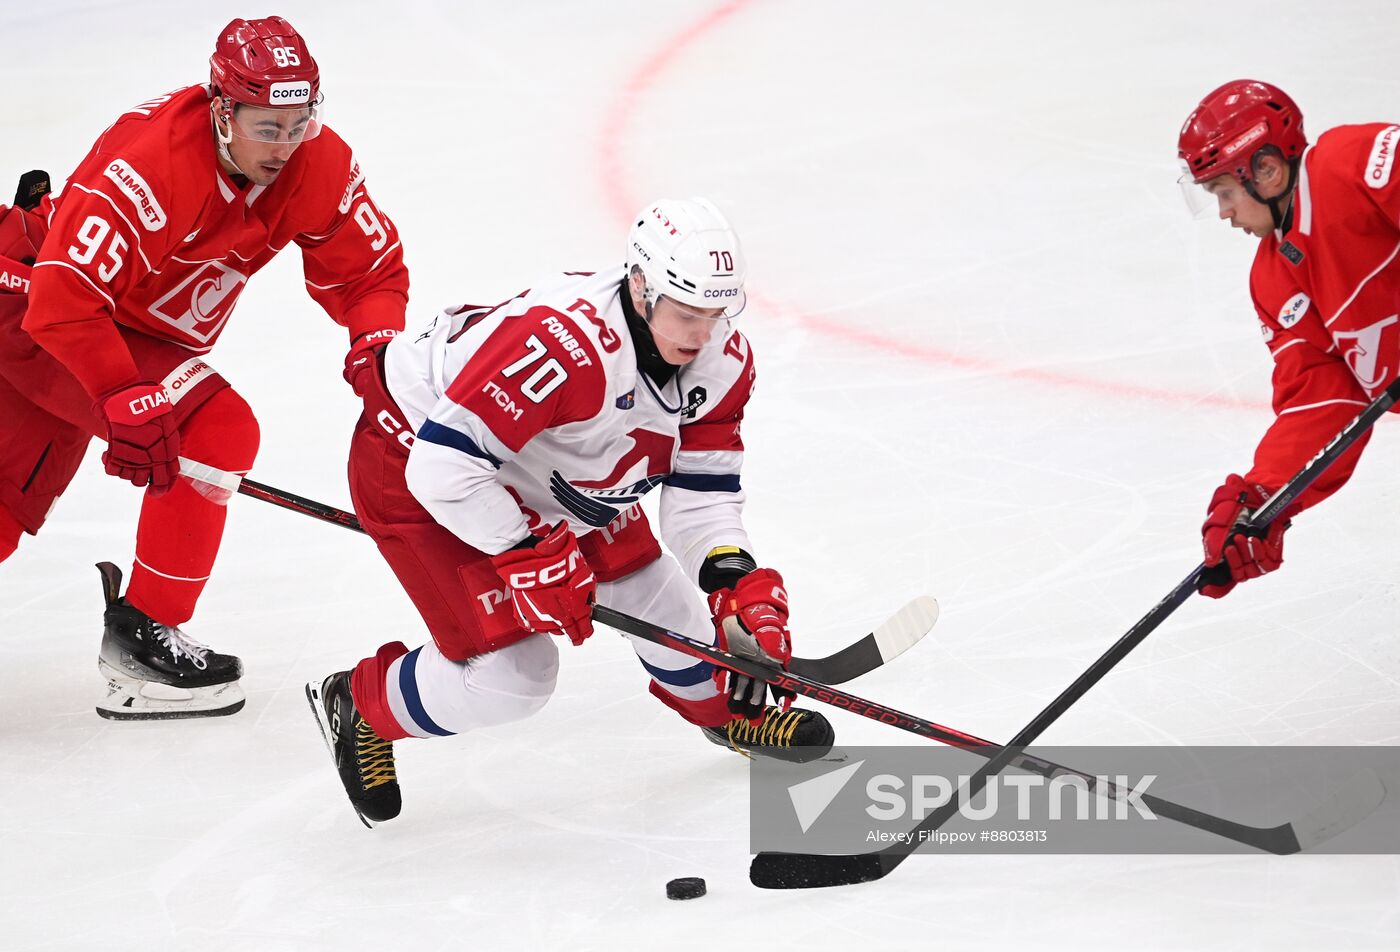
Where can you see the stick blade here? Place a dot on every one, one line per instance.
(906, 627)
(1354, 803)
(802, 871)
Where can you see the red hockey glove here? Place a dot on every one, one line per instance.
(1238, 556)
(360, 360)
(551, 586)
(751, 621)
(143, 445)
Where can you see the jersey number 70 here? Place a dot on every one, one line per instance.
(545, 379)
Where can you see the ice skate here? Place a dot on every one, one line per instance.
(797, 736)
(364, 759)
(155, 671)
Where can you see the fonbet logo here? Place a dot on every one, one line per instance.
(289, 94)
(1382, 158)
(1294, 310)
(134, 187)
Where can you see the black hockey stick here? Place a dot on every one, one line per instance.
(898, 633)
(801, 871)
(806, 677)
(1336, 814)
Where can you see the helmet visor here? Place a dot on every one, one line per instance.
(1200, 201)
(688, 327)
(276, 125)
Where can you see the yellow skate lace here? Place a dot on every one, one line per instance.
(374, 756)
(775, 731)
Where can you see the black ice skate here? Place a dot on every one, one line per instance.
(155, 671)
(365, 760)
(797, 736)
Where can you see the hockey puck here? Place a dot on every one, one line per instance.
(687, 887)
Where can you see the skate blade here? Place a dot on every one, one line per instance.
(128, 699)
(318, 710)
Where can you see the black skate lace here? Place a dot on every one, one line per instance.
(178, 643)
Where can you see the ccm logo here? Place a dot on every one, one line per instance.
(721, 292)
(548, 575)
(147, 403)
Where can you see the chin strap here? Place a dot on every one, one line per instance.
(1280, 205)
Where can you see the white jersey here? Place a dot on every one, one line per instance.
(535, 411)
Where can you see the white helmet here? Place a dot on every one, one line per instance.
(687, 251)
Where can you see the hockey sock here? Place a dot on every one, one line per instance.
(10, 531)
(369, 687)
(712, 711)
(179, 532)
(423, 693)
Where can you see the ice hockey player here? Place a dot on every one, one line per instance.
(499, 470)
(1325, 284)
(113, 292)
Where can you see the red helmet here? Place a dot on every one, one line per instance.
(264, 62)
(1224, 133)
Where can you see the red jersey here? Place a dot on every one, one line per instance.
(151, 233)
(1327, 290)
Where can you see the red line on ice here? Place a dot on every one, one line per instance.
(621, 204)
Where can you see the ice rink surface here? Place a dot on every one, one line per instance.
(998, 363)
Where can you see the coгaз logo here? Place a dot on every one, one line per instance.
(290, 94)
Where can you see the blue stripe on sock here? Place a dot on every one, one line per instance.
(685, 677)
(408, 686)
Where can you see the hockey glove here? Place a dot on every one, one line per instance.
(751, 622)
(360, 361)
(551, 586)
(1237, 555)
(143, 445)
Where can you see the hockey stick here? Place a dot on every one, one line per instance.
(800, 871)
(1344, 809)
(805, 677)
(897, 634)
(901, 631)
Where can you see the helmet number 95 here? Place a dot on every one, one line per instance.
(285, 56)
